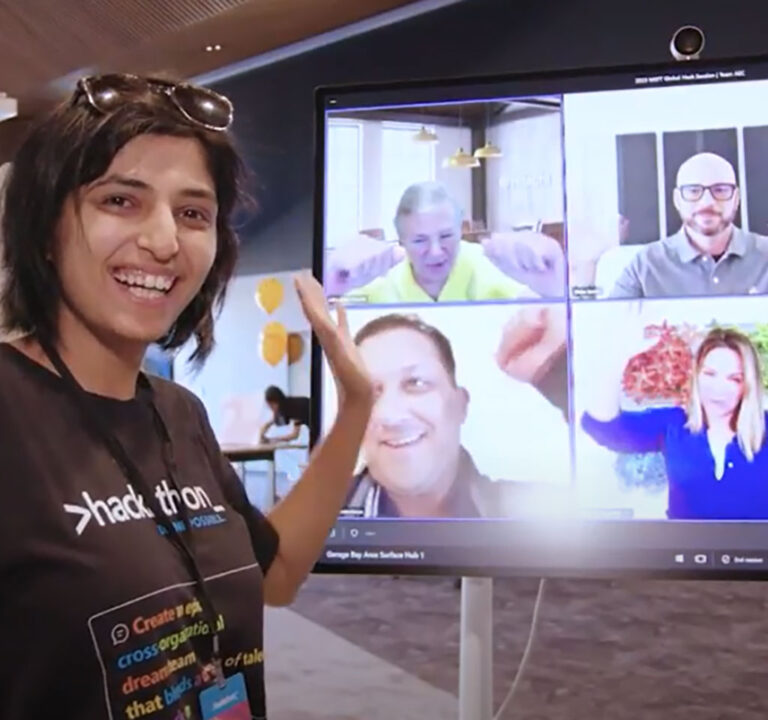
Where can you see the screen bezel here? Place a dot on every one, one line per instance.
(324, 94)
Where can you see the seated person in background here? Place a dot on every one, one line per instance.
(709, 255)
(714, 449)
(432, 262)
(285, 410)
(416, 465)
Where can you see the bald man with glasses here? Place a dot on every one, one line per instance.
(709, 255)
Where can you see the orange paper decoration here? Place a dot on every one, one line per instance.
(295, 348)
(269, 295)
(274, 342)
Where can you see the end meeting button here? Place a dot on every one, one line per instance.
(741, 560)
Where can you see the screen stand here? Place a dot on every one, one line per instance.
(476, 649)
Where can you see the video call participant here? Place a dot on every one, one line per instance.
(285, 410)
(714, 449)
(415, 463)
(126, 537)
(432, 263)
(709, 255)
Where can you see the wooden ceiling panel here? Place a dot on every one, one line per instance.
(43, 41)
(255, 27)
(149, 19)
(35, 47)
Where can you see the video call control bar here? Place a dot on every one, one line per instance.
(686, 539)
(724, 559)
(526, 560)
(505, 546)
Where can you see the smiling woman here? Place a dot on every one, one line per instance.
(713, 441)
(149, 243)
(117, 237)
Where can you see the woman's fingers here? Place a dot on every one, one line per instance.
(342, 320)
(313, 302)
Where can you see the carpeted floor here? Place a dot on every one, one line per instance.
(313, 674)
(634, 649)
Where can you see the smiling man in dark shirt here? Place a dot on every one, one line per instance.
(709, 255)
(416, 464)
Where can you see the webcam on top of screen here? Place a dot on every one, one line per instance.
(687, 43)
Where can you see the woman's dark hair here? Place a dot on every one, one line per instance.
(397, 321)
(72, 147)
(274, 395)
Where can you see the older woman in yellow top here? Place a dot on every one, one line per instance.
(432, 263)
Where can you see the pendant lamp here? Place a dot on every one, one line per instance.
(425, 136)
(461, 159)
(489, 150)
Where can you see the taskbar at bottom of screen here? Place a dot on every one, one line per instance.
(537, 560)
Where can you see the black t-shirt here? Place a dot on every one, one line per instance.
(99, 617)
(293, 410)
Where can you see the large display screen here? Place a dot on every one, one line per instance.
(558, 285)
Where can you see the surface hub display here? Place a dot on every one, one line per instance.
(559, 286)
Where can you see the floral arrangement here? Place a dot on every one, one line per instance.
(661, 373)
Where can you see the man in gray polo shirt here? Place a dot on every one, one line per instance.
(709, 255)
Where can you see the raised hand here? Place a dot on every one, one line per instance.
(531, 258)
(531, 341)
(359, 262)
(353, 383)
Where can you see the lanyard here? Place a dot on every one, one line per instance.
(135, 477)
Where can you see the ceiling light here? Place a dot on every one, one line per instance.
(425, 135)
(212, 48)
(461, 159)
(489, 150)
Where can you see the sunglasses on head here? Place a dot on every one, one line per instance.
(198, 105)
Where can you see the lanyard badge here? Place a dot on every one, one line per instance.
(226, 702)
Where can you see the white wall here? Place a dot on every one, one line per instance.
(526, 184)
(300, 373)
(457, 180)
(231, 384)
(402, 161)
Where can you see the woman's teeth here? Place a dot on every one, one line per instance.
(144, 285)
(143, 292)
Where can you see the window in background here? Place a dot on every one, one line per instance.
(404, 161)
(344, 181)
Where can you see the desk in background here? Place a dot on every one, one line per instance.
(264, 451)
